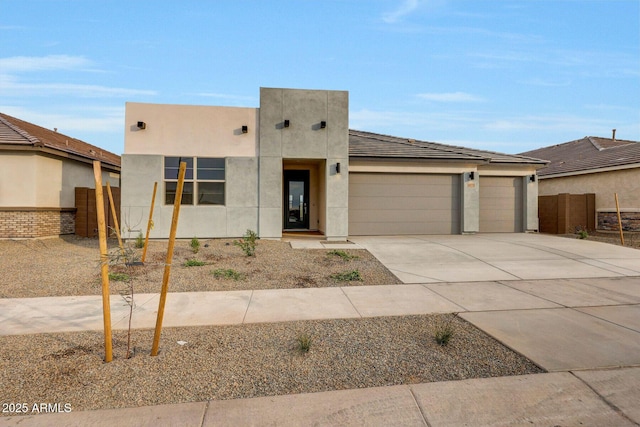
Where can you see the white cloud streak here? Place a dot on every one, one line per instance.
(42, 63)
(405, 8)
(449, 97)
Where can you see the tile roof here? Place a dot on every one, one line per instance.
(373, 145)
(587, 154)
(16, 132)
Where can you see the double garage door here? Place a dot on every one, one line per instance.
(388, 204)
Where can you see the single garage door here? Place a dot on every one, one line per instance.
(388, 203)
(500, 204)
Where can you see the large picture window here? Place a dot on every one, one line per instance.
(204, 187)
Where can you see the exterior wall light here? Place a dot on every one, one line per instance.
(245, 129)
(532, 178)
(142, 125)
(471, 176)
(323, 124)
(337, 167)
(286, 123)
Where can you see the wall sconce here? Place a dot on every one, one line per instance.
(142, 125)
(532, 178)
(471, 176)
(286, 123)
(337, 167)
(245, 129)
(323, 124)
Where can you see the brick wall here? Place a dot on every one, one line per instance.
(608, 221)
(41, 222)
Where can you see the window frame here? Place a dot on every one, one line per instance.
(192, 180)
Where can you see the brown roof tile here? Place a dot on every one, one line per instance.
(373, 145)
(588, 153)
(17, 132)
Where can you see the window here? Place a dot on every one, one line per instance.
(205, 188)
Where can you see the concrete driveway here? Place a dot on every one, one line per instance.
(486, 257)
(566, 304)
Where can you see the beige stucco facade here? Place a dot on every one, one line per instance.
(44, 181)
(255, 159)
(625, 182)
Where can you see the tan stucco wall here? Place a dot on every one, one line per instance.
(604, 184)
(35, 180)
(207, 131)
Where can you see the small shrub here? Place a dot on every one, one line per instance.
(342, 254)
(304, 343)
(194, 263)
(583, 234)
(221, 273)
(347, 276)
(444, 330)
(195, 245)
(248, 243)
(139, 243)
(119, 277)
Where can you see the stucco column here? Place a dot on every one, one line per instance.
(470, 209)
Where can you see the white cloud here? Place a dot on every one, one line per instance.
(404, 9)
(449, 97)
(41, 63)
(10, 87)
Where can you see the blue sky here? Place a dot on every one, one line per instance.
(502, 75)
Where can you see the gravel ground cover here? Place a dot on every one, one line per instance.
(227, 362)
(71, 266)
(631, 239)
(224, 362)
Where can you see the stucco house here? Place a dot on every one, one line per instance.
(39, 170)
(294, 164)
(602, 166)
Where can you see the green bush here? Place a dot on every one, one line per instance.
(342, 254)
(347, 276)
(248, 243)
(221, 273)
(195, 245)
(444, 330)
(139, 241)
(194, 263)
(304, 343)
(119, 277)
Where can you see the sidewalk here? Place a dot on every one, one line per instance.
(581, 328)
(571, 307)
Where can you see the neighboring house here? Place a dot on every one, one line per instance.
(293, 164)
(602, 166)
(39, 170)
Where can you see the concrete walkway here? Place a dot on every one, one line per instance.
(584, 330)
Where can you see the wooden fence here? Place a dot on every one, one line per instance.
(567, 213)
(86, 216)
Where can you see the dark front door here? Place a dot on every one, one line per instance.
(296, 199)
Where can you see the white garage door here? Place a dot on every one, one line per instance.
(387, 203)
(500, 204)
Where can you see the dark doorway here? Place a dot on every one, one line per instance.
(296, 199)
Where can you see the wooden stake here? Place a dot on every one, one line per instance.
(167, 265)
(115, 221)
(104, 262)
(619, 220)
(150, 222)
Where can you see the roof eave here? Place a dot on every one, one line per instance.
(590, 171)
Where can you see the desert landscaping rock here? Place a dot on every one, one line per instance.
(241, 361)
(225, 362)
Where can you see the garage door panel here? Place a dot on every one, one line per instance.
(382, 204)
(500, 204)
(367, 203)
(395, 190)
